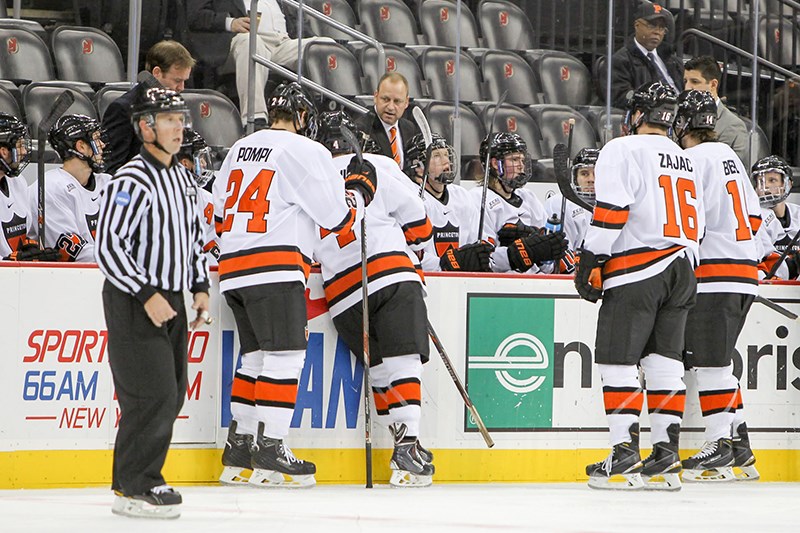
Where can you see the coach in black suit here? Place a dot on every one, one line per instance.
(385, 123)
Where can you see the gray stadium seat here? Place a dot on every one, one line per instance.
(563, 78)
(104, 97)
(596, 115)
(24, 57)
(333, 66)
(504, 70)
(440, 117)
(779, 41)
(338, 10)
(9, 104)
(438, 67)
(38, 99)
(24, 24)
(504, 26)
(513, 119)
(397, 60)
(214, 117)
(553, 122)
(86, 54)
(437, 19)
(388, 21)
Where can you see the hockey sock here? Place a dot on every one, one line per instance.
(718, 389)
(623, 398)
(666, 394)
(738, 415)
(403, 395)
(379, 380)
(243, 393)
(276, 391)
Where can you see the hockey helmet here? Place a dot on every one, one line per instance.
(158, 100)
(329, 132)
(195, 149)
(586, 158)
(443, 158)
(697, 110)
(499, 146)
(290, 98)
(14, 136)
(769, 194)
(658, 103)
(70, 129)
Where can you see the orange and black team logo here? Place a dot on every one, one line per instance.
(14, 231)
(444, 238)
(91, 223)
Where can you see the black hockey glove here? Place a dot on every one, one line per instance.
(523, 253)
(589, 275)
(469, 258)
(793, 264)
(512, 231)
(28, 250)
(361, 176)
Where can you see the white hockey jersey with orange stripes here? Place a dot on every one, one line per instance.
(649, 208)
(71, 212)
(576, 219)
(396, 221)
(772, 239)
(273, 190)
(15, 216)
(205, 204)
(728, 255)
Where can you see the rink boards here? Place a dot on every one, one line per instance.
(522, 344)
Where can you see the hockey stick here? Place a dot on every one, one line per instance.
(425, 129)
(351, 139)
(497, 106)
(569, 151)
(561, 169)
(60, 106)
(777, 308)
(782, 258)
(464, 396)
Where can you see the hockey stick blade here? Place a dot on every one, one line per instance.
(62, 103)
(561, 169)
(777, 308)
(427, 135)
(497, 106)
(782, 257)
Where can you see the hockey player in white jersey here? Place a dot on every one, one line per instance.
(72, 198)
(576, 218)
(395, 220)
(514, 216)
(727, 283)
(195, 155)
(275, 188)
(639, 253)
(451, 209)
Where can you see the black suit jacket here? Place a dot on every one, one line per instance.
(371, 124)
(123, 141)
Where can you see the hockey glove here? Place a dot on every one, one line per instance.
(589, 275)
(512, 231)
(361, 176)
(793, 264)
(567, 263)
(28, 250)
(469, 258)
(523, 253)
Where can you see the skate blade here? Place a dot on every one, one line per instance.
(746, 473)
(272, 479)
(139, 509)
(666, 482)
(617, 482)
(234, 475)
(712, 475)
(404, 478)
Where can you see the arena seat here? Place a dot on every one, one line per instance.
(437, 20)
(9, 104)
(504, 26)
(25, 56)
(438, 67)
(25, 24)
(333, 66)
(38, 99)
(779, 41)
(513, 119)
(214, 117)
(596, 115)
(339, 10)
(87, 54)
(504, 70)
(105, 96)
(563, 78)
(553, 122)
(440, 117)
(388, 21)
(397, 60)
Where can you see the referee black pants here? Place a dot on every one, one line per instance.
(148, 364)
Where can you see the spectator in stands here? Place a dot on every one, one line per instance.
(703, 74)
(171, 65)
(385, 123)
(644, 60)
(229, 19)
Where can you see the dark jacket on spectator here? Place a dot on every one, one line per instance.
(123, 142)
(371, 124)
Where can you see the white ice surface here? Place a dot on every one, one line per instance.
(574, 508)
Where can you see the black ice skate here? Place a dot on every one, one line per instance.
(713, 463)
(408, 467)
(236, 457)
(274, 465)
(661, 470)
(159, 502)
(399, 431)
(621, 469)
(743, 458)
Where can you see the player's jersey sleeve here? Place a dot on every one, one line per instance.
(406, 208)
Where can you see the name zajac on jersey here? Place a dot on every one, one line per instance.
(675, 162)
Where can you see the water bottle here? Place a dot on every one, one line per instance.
(553, 225)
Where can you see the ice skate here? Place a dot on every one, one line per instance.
(159, 502)
(236, 458)
(621, 469)
(661, 470)
(713, 463)
(399, 431)
(409, 469)
(743, 458)
(274, 465)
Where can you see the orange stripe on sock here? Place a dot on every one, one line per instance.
(617, 401)
(381, 401)
(738, 401)
(403, 393)
(666, 402)
(243, 389)
(272, 393)
(712, 402)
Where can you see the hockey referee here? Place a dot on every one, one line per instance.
(149, 246)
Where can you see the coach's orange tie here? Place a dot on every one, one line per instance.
(393, 143)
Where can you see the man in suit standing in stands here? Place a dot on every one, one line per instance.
(171, 65)
(647, 58)
(385, 123)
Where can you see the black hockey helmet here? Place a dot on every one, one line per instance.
(158, 100)
(329, 132)
(195, 149)
(497, 146)
(68, 130)
(290, 98)
(767, 197)
(416, 157)
(12, 130)
(658, 103)
(697, 110)
(586, 158)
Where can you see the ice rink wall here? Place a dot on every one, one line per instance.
(523, 345)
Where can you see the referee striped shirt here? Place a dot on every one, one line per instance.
(149, 232)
